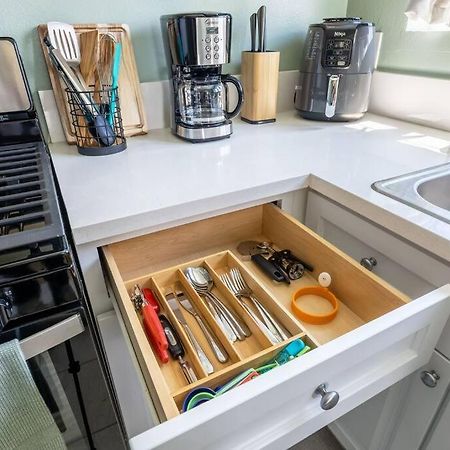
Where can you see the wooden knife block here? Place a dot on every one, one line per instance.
(259, 77)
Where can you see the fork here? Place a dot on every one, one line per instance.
(242, 289)
(229, 283)
(245, 291)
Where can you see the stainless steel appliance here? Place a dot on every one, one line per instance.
(338, 61)
(197, 45)
(42, 296)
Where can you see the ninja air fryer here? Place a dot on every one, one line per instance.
(338, 61)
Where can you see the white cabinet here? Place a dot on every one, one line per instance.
(439, 437)
(370, 426)
(425, 419)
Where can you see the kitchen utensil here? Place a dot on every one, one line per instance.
(202, 394)
(244, 290)
(231, 316)
(253, 26)
(132, 110)
(285, 254)
(176, 349)
(269, 268)
(115, 79)
(152, 325)
(105, 64)
(231, 323)
(226, 280)
(324, 280)
(63, 37)
(217, 314)
(173, 304)
(88, 67)
(249, 248)
(98, 126)
(261, 18)
(216, 346)
(89, 47)
(151, 299)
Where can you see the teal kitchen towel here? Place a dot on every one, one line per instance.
(25, 421)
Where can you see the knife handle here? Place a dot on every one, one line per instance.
(216, 347)
(155, 333)
(151, 300)
(253, 27)
(205, 362)
(262, 28)
(175, 346)
(268, 268)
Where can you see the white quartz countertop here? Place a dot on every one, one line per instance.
(161, 180)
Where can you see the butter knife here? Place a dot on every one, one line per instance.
(204, 361)
(216, 347)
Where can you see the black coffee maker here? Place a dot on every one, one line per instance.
(197, 45)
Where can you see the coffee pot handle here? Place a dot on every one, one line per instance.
(237, 84)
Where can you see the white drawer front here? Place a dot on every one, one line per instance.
(277, 410)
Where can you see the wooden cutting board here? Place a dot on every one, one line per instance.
(130, 98)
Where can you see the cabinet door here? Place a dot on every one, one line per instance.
(439, 438)
(421, 407)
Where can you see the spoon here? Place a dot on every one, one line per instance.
(201, 288)
(237, 322)
(202, 282)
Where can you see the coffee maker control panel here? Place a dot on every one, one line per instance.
(212, 40)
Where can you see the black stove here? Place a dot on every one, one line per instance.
(38, 277)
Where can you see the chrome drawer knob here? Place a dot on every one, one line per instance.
(369, 263)
(430, 378)
(329, 398)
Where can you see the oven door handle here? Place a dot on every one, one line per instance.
(52, 336)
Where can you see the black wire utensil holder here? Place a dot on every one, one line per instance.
(97, 121)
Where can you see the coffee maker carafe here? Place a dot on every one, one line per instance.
(197, 45)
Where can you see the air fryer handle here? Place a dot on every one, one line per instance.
(240, 91)
(332, 93)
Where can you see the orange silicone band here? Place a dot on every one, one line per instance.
(316, 319)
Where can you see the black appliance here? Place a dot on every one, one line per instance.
(43, 300)
(197, 45)
(338, 61)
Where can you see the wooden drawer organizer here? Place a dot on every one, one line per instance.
(157, 261)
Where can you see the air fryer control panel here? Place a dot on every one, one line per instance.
(338, 51)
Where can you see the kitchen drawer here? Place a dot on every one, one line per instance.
(377, 338)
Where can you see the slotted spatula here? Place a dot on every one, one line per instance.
(63, 37)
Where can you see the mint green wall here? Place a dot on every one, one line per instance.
(423, 53)
(287, 25)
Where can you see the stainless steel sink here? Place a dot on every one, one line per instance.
(427, 190)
